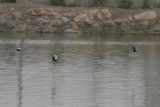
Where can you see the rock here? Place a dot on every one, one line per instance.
(80, 17)
(103, 14)
(144, 23)
(11, 9)
(6, 18)
(70, 14)
(106, 13)
(64, 19)
(123, 20)
(71, 31)
(39, 21)
(96, 25)
(149, 15)
(34, 13)
(92, 13)
(99, 16)
(88, 22)
(155, 28)
(74, 25)
(55, 15)
(48, 29)
(109, 23)
(40, 11)
(17, 15)
(56, 22)
(43, 11)
(50, 9)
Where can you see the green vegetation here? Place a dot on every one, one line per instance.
(99, 2)
(7, 1)
(57, 2)
(158, 6)
(75, 3)
(147, 3)
(6, 27)
(127, 4)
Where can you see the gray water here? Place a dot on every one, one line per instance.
(92, 71)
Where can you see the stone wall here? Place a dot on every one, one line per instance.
(110, 3)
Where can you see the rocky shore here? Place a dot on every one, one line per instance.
(53, 19)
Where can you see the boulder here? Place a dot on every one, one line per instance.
(149, 15)
(64, 19)
(103, 14)
(123, 20)
(74, 25)
(6, 18)
(39, 21)
(109, 23)
(71, 31)
(69, 14)
(40, 11)
(92, 13)
(99, 16)
(88, 22)
(17, 15)
(56, 22)
(106, 13)
(80, 17)
(54, 15)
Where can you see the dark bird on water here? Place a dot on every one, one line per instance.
(18, 49)
(134, 49)
(54, 57)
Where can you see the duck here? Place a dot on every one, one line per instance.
(54, 57)
(134, 49)
(18, 49)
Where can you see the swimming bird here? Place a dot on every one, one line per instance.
(134, 49)
(54, 57)
(18, 49)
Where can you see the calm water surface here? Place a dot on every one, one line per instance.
(92, 71)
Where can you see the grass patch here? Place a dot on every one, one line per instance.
(75, 3)
(7, 1)
(6, 27)
(147, 3)
(57, 2)
(127, 4)
(99, 2)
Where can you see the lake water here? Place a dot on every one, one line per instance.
(92, 71)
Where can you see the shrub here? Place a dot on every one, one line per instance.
(127, 4)
(158, 6)
(147, 3)
(99, 2)
(57, 2)
(75, 3)
(7, 1)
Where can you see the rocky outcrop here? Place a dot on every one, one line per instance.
(146, 16)
(91, 20)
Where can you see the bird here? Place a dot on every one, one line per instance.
(54, 57)
(18, 49)
(134, 49)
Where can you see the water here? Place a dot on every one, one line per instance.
(92, 71)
